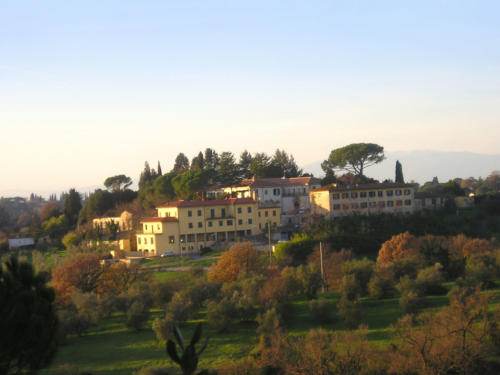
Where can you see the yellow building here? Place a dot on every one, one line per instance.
(333, 201)
(187, 226)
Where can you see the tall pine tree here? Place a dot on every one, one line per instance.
(399, 173)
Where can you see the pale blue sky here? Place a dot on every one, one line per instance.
(90, 89)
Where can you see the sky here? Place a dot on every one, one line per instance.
(91, 89)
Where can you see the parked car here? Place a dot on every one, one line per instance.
(167, 254)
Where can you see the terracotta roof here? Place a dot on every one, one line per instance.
(159, 220)
(270, 182)
(215, 202)
(334, 187)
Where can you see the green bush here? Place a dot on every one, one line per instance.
(350, 311)
(429, 281)
(221, 314)
(163, 328)
(481, 269)
(350, 288)
(137, 315)
(362, 271)
(380, 287)
(410, 302)
(320, 310)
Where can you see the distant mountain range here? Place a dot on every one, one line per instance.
(422, 166)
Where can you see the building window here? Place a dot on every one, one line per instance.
(276, 191)
(249, 209)
(259, 213)
(380, 193)
(152, 240)
(407, 191)
(190, 213)
(221, 223)
(345, 206)
(345, 195)
(265, 191)
(139, 240)
(200, 224)
(240, 222)
(390, 204)
(266, 214)
(210, 224)
(354, 195)
(364, 205)
(223, 212)
(274, 212)
(408, 202)
(145, 227)
(158, 227)
(372, 204)
(229, 222)
(212, 213)
(249, 221)
(199, 212)
(371, 194)
(190, 225)
(389, 193)
(336, 206)
(362, 194)
(399, 192)
(381, 204)
(239, 210)
(336, 196)
(260, 226)
(354, 205)
(399, 202)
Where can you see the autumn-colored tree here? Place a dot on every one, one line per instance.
(241, 257)
(332, 265)
(116, 279)
(477, 246)
(455, 340)
(79, 271)
(398, 247)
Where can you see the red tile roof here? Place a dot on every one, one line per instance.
(215, 202)
(159, 220)
(270, 182)
(334, 187)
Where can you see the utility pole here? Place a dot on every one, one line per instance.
(269, 239)
(322, 269)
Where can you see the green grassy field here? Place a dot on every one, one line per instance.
(113, 349)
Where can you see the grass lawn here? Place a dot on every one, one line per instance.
(113, 349)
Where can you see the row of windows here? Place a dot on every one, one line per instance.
(266, 213)
(382, 204)
(371, 194)
(221, 223)
(145, 240)
(222, 210)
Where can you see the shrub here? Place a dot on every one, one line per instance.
(87, 306)
(202, 291)
(350, 311)
(320, 310)
(163, 328)
(162, 292)
(379, 287)
(350, 288)
(362, 271)
(481, 269)
(303, 279)
(220, 315)
(298, 249)
(429, 281)
(180, 307)
(410, 300)
(137, 315)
